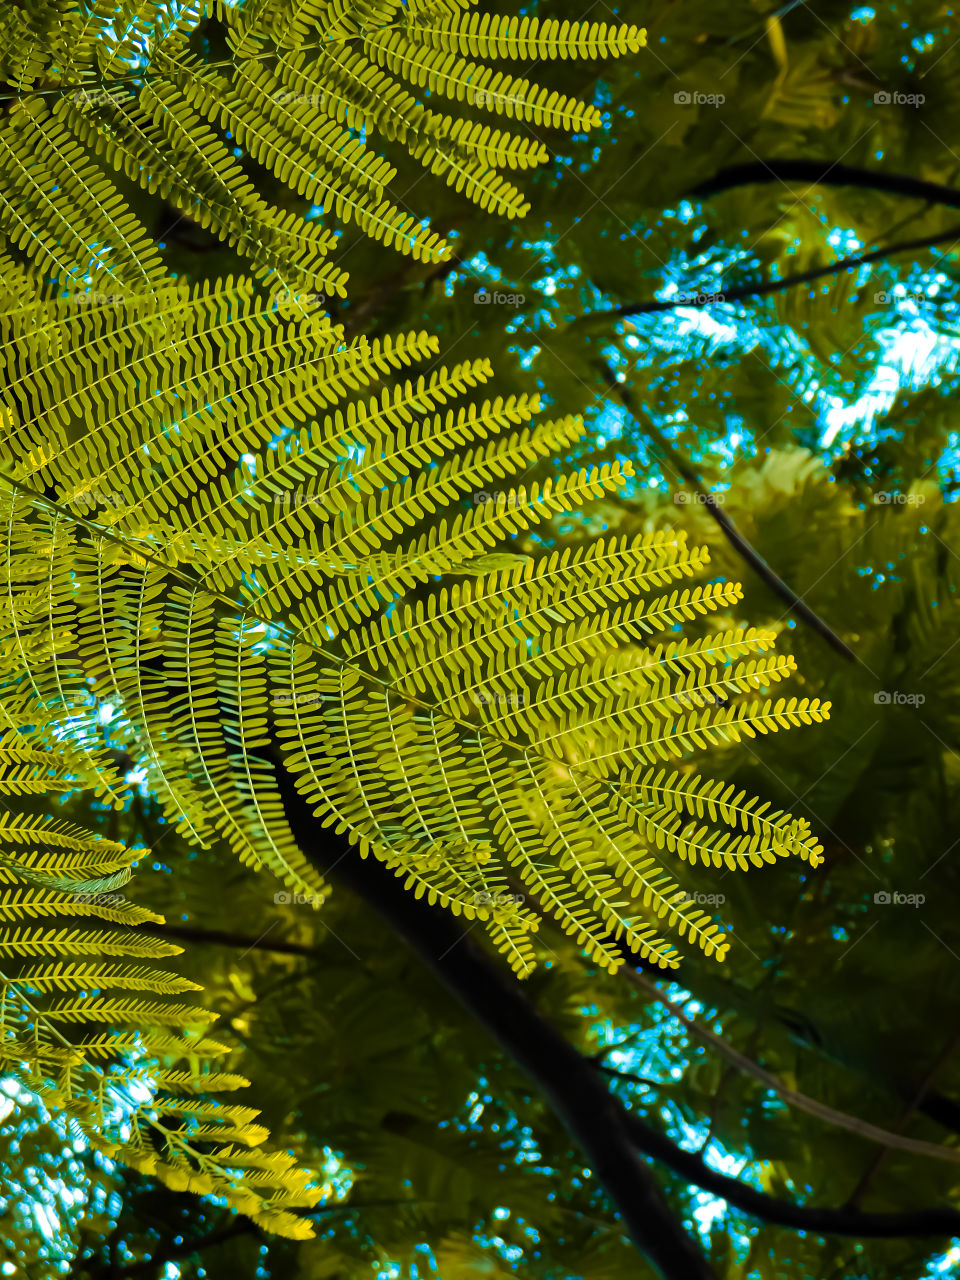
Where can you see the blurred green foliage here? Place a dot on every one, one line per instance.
(437, 1159)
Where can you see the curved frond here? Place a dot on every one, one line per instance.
(274, 582)
(59, 981)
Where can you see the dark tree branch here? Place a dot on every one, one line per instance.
(943, 1109)
(826, 173)
(781, 589)
(784, 1213)
(936, 1106)
(886, 1138)
(802, 1102)
(595, 1119)
(171, 1252)
(939, 1107)
(830, 1114)
(647, 1081)
(567, 1081)
(703, 300)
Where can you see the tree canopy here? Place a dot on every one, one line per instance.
(744, 278)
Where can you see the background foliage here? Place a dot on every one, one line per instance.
(820, 418)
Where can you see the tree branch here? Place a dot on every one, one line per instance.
(781, 589)
(784, 1213)
(568, 1082)
(936, 1106)
(595, 1119)
(826, 173)
(800, 1101)
(703, 300)
(170, 1252)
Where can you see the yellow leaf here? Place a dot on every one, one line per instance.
(778, 45)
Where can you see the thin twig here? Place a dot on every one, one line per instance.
(800, 1101)
(880, 1157)
(781, 589)
(720, 297)
(826, 173)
